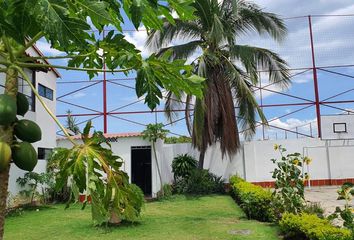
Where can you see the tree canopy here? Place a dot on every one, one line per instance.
(71, 26)
(230, 68)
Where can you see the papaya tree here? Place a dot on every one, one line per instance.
(153, 132)
(71, 26)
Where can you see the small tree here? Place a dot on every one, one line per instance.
(153, 132)
(71, 123)
(35, 180)
(346, 192)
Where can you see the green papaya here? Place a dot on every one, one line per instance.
(27, 131)
(8, 109)
(22, 104)
(24, 156)
(5, 155)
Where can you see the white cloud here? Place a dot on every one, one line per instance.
(303, 78)
(277, 127)
(138, 38)
(77, 95)
(47, 50)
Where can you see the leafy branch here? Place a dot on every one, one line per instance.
(29, 82)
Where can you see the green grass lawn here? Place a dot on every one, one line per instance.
(211, 217)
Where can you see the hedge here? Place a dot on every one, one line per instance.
(254, 200)
(309, 226)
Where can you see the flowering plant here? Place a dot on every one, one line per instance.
(288, 191)
(346, 192)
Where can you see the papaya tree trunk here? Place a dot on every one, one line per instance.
(6, 135)
(158, 167)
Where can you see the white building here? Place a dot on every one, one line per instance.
(45, 83)
(138, 157)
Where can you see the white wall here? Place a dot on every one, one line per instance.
(122, 148)
(42, 118)
(333, 159)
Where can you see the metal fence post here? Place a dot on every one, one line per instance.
(315, 80)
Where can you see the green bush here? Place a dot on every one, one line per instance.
(166, 193)
(182, 165)
(309, 226)
(200, 182)
(180, 139)
(254, 200)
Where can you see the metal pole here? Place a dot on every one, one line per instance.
(315, 81)
(261, 98)
(297, 132)
(104, 93)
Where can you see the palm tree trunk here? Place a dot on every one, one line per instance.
(201, 159)
(158, 167)
(6, 135)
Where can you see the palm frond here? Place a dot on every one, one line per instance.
(182, 51)
(249, 17)
(172, 103)
(204, 10)
(184, 30)
(256, 59)
(246, 102)
(198, 125)
(187, 113)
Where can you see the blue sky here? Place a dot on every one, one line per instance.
(334, 45)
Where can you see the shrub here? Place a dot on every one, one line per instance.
(180, 139)
(166, 192)
(182, 165)
(200, 182)
(254, 200)
(309, 226)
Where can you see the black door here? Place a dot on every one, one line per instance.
(141, 168)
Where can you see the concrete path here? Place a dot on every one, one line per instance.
(326, 196)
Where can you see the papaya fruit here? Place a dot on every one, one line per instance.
(22, 104)
(27, 131)
(8, 109)
(5, 156)
(24, 156)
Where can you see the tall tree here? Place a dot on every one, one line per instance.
(230, 69)
(71, 26)
(71, 123)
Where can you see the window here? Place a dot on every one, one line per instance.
(45, 92)
(339, 127)
(44, 153)
(23, 87)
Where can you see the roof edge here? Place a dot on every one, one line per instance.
(107, 136)
(36, 49)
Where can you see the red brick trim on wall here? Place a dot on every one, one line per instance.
(315, 182)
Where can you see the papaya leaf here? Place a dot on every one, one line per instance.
(94, 170)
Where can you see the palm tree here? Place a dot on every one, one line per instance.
(71, 123)
(230, 69)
